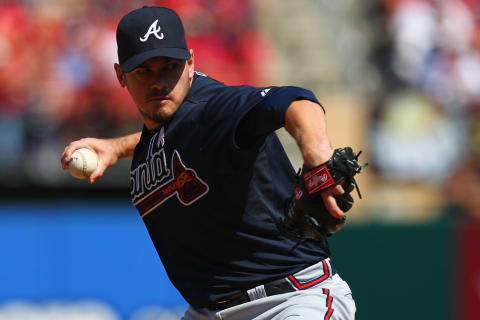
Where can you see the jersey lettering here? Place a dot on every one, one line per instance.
(147, 175)
(184, 183)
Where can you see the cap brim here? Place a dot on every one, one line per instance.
(138, 59)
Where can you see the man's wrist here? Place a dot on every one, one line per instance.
(124, 146)
(316, 156)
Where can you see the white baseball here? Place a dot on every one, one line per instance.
(83, 162)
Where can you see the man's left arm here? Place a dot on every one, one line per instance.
(299, 111)
(305, 121)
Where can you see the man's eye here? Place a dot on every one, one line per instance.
(172, 66)
(143, 71)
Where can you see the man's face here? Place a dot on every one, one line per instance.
(158, 87)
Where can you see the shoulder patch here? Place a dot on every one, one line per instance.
(200, 73)
(264, 92)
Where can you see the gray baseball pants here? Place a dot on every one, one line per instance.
(318, 294)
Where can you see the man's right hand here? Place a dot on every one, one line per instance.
(105, 149)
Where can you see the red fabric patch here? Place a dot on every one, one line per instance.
(318, 179)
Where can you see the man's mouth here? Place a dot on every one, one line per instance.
(157, 98)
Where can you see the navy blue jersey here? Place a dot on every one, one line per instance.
(211, 207)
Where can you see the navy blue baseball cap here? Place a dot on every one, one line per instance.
(150, 32)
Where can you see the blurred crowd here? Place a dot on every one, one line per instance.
(425, 127)
(58, 81)
(415, 64)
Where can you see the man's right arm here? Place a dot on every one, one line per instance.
(108, 151)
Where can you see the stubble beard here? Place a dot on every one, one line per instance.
(160, 114)
(163, 112)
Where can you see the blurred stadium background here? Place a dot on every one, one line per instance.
(400, 79)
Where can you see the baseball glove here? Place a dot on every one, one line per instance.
(307, 218)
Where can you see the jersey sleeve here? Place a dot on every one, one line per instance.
(244, 114)
(269, 114)
(226, 108)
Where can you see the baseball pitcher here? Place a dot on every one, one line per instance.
(241, 234)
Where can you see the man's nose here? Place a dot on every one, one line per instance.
(160, 82)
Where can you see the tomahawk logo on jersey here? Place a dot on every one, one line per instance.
(184, 183)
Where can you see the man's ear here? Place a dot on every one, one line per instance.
(191, 65)
(120, 75)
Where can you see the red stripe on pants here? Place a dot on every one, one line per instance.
(329, 303)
